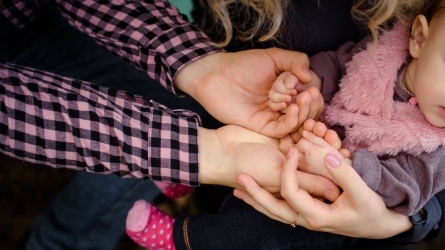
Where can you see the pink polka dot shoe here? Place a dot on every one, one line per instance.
(173, 190)
(149, 227)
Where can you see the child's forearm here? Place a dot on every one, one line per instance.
(405, 182)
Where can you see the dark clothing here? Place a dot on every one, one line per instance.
(240, 226)
(90, 212)
(68, 123)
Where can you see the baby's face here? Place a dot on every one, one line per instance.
(425, 76)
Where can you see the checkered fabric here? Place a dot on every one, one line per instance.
(19, 12)
(150, 35)
(67, 123)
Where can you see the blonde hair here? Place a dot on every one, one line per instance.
(263, 18)
(267, 18)
(381, 12)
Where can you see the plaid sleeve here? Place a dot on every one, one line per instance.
(150, 35)
(19, 12)
(67, 123)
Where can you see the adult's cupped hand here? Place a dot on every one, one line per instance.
(234, 88)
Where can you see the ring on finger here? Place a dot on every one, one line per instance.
(293, 224)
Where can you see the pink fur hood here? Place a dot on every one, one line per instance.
(364, 105)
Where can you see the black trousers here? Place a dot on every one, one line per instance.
(239, 226)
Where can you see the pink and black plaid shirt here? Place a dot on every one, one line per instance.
(67, 123)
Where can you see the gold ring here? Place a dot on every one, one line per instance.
(293, 224)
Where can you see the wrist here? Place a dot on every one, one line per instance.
(190, 74)
(386, 225)
(209, 149)
(401, 223)
(417, 231)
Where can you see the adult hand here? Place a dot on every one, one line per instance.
(357, 212)
(234, 88)
(232, 150)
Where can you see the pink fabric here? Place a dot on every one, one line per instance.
(86, 127)
(155, 231)
(364, 106)
(173, 190)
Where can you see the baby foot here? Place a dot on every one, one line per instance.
(149, 227)
(173, 190)
(320, 130)
(329, 135)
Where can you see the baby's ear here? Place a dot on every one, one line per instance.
(419, 34)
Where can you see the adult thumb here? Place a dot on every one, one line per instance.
(293, 61)
(344, 175)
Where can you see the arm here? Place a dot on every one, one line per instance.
(150, 35)
(66, 123)
(357, 212)
(62, 122)
(405, 182)
(154, 37)
(19, 13)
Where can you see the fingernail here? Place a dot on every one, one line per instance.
(306, 69)
(240, 183)
(332, 160)
(290, 152)
(236, 195)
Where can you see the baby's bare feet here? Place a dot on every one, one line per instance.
(320, 130)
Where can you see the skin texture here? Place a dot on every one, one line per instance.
(312, 149)
(233, 150)
(357, 212)
(286, 87)
(222, 81)
(425, 75)
(424, 78)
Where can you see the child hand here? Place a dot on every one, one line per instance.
(286, 87)
(282, 91)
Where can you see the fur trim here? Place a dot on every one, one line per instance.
(364, 104)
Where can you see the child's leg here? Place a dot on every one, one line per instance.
(173, 190)
(150, 227)
(239, 226)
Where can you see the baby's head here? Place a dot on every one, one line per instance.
(425, 74)
(376, 14)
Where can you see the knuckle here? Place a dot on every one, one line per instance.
(284, 194)
(271, 93)
(304, 57)
(314, 223)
